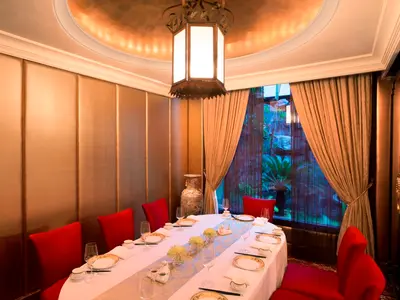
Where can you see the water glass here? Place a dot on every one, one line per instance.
(144, 231)
(90, 251)
(265, 215)
(208, 259)
(146, 288)
(179, 213)
(225, 204)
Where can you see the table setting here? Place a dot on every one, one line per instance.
(205, 257)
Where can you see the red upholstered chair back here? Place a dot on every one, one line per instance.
(117, 227)
(366, 281)
(156, 213)
(252, 206)
(352, 246)
(59, 251)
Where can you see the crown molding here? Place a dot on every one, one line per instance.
(30, 50)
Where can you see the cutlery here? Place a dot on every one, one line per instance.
(98, 271)
(249, 254)
(221, 292)
(182, 226)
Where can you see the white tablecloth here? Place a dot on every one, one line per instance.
(262, 284)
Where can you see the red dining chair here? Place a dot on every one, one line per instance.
(324, 284)
(366, 281)
(252, 206)
(59, 251)
(156, 213)
(117, 227)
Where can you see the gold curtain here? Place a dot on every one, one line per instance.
(223, 122)
(336, 117)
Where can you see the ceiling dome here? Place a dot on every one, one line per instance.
(136, 27)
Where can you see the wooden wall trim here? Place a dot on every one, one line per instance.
(117, 198)
(24, 226)
(147, 148)
(169, 157)
(77, 148)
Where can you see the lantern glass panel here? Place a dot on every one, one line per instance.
(202, 52)
(179, 56)
(221, 56)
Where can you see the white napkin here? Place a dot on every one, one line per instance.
(259, 222)
(193, 217)
(224, 231)
(163, 231)
(157, 275)
(122, 252)
(259, 245)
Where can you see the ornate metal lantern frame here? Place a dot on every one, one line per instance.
(198, 62)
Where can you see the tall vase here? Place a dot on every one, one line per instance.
(192, 197)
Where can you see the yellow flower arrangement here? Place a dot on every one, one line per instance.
(177, 253)
(210, 233)
(196, 241)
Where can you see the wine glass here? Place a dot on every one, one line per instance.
(225, 204)
(146, 288)
(144, 231)
(208, 259)
(179, 214)
(90, 251)
(244, 237)
(265, 215)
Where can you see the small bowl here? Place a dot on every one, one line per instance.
(168, 226)
(239, 284)
(128, 244)
(77, 274)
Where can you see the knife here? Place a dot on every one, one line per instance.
(270, 234)
(249, 254)
(140, 244)
(182, 225)
(221, 292)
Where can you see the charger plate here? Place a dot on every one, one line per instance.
(103, 262)
(208, 295)
(250, 263)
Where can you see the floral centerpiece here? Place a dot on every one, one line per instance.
(178, 254)
(210, 234)
(196, 243)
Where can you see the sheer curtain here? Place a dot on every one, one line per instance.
(244, 175)
(336, 117)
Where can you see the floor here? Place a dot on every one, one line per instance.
(388, 294)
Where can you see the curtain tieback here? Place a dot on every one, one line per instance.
(362, 194)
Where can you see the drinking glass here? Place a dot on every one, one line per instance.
(179, 214)
(208, 259)
(244, 237)
(90, 251)
(225, 204)
(146, 288)
(265, 215)
(144, 231)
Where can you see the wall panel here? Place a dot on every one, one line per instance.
(132, 151)
(97, 153)
(195, 137)
(179, 149)
(50, 147)
(158, 147)
(11, 257)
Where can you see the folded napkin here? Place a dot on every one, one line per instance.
(122, 252)
(259, 222)
(260, 245)
(163, 231)
(193, 217)
(161, 275)
(224, 231)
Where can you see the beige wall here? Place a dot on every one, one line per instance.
(73, 148)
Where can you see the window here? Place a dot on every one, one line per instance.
(274, 161)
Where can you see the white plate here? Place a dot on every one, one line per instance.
(153, 239)
(245, 218)
(267, 239)
(105, 261)
(185, 223)
(249, 263)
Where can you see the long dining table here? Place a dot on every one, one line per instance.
(184, 281)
